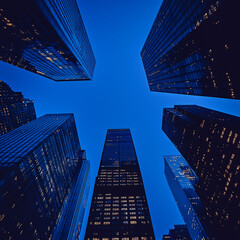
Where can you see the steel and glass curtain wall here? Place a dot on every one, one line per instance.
(43, 180)
(182, 180)
(210, 142)
(193, 47)
(15, 110)
(46, 37)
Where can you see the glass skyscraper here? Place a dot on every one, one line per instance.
(180, 232)
(210, 143)
(15, 110)
(119, 209)
(46, 37)
(192, 48)
(182, 181)
(44, 180)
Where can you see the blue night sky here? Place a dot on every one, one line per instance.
(117, 97)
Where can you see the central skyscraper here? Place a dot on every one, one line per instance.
(119, 208)
(46, 37)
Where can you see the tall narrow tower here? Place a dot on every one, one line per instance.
(119, 208)
(182, 181)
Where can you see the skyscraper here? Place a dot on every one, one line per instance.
(15, 110)
(182, 181)
(192, 49)
(210, 143)
(179, 232)
(119, 208)
(44, 180)
(46, 37)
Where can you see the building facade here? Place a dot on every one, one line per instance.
(182, 180)
(180, 232)
(44, 180)
(70, 224)
(210, 143)
(119, 208)
(46, 37)
(192, 49)
(15, 110)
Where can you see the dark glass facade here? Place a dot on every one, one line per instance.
(43, 179)
(69, 225)
(180, 232)
(192, 48)
(182, 181)
(210, 143)
(119, 209)
(15, 110)
(46, 37)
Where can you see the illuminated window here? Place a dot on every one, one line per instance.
(97, 223)
(106, 223)
(133, 222)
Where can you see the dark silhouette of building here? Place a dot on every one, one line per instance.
(15, 110)
(46, 37)
(44, 180)
(192, 48)
(182, 181)
(119, 208)
(180, 232)
(210, 143)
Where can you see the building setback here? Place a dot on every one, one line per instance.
(44, 180)
(210, 143)
(119, 208)
(192, 49)
(182, 181)
(46, 37)
(180, 232)
(15, 110)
